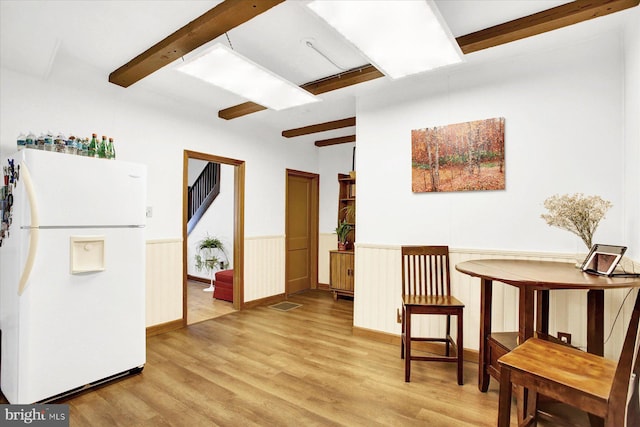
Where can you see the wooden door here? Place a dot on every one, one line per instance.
(301, 232)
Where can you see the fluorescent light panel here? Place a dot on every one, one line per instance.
(399, 37)
(225, 68)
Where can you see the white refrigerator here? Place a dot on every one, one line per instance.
(72, 275)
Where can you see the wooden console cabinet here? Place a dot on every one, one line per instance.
(342, 273)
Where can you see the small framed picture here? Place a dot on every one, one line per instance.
(603, 259)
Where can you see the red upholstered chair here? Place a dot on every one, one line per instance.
(224, 285)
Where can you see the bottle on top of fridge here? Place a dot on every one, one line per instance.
(71, 145)
(30, 141)
(79, 146)
(93, 146)
(102, 148)
(40, 142)
(111, 150)
(60, 143)
(48, 141)
(22, 141)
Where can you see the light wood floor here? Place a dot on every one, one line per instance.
(303, 367)
(201, 305)
(269, 368)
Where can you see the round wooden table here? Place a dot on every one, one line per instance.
(535, 278)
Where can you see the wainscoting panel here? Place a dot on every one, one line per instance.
(164, 281)
(264, 267)
(377, 298)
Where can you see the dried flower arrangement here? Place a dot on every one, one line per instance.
(576, 213)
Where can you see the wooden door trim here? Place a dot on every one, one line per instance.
(238, 225)
(314, 227)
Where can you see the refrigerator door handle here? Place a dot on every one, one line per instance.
(35, 222)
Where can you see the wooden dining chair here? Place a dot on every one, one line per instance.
(426, 289)
(585, 381)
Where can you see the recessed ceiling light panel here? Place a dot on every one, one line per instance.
(225, 68)
(399, 37)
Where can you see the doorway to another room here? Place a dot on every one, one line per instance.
(213, 236)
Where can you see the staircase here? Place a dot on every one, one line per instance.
(202, 193)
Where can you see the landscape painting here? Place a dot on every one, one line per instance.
(460, 157)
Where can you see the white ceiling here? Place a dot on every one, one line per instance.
(107, 34)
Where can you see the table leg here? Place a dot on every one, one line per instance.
(542, 312)
(526, 308)
(525, 314)
(595, 333)
(486, 287)
(595, 321)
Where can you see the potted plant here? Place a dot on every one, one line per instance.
(210, 256)
(576, 213)
(342, 230)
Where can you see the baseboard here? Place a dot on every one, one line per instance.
(324, 286)
(387, 338)
(264, 301)
(164, 327)
(198, 279)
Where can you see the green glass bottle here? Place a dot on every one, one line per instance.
(93, 146)
(111, 151)
(102, 148)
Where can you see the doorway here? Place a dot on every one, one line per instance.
(238, 227)
(301, 230)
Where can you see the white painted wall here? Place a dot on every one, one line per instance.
(564, 134)
(195, 168)
(632, 132)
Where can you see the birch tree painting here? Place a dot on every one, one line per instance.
(460, 157)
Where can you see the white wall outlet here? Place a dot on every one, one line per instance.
(149, 212)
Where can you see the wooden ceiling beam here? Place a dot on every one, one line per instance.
(320, 127)
(217, 21)
(344, 79)
(240, 110)
(334, 141)
(541, 22)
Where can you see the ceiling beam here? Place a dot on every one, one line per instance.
(334, 141)
(240, 110)
(541, 22)
(217, 21)
(316, 87)
(320, 127)
(531, 25)
(344, 79)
